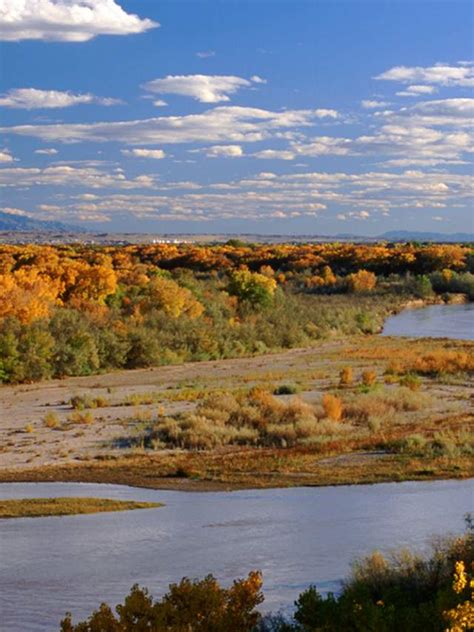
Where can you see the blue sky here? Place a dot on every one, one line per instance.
(262, 116)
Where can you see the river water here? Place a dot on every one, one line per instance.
(295, 536)
(436, 321)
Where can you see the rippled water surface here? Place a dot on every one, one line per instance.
(436, 321)
(295, 536)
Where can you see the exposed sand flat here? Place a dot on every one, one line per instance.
(27, 442)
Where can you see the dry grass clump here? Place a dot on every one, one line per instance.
(332, 406)
(369, 378)
(51, 420)
(434, 363)
(447, 443)
(411, 381)
(385, 404)
(81, 402)
(256, 418)
(447, 362)
(78, 417)
(346, 376)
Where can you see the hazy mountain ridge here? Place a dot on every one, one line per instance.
(21, 223)
(10, 222)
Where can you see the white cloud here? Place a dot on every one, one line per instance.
(353, 196)
(416, 90)
(48, 151)
(65, 175)
(32, 98)
(205, 54)
(156, 154)
(67, 20)
(439, 74)
(203, 88)
(14, 211)
(457, 112)
(257, 79)
(274, 154)
(326, 113)
(373, 105)
(229, 151)
(324, 146)
(224, 124)
(358, 215)
(5, 156)
(159, 103)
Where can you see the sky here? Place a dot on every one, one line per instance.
(250, 116)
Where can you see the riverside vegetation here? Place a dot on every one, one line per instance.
(342, 406)
(80, 310)
(40, 507)
(402, 593)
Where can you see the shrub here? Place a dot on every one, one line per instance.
(361, 281)
(256, 418)
(410, 381)
(346, 376)
(51, 420)
(404, 593)
(81, 418)
(369, 378)
(286, 389)
(439, 362)
(332, 406)
(256, 289)
(197, 605)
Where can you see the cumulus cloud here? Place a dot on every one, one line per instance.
(324, 146)
(326, 113)
(67, 20)
(47, 151)
(229, 151)
(224, 124)
(14, 211)
(356, 196)
(32, 98)
(203, 88)
(415, 91)
(439, 74)
(159, 103)
(5, 156)
(65, 175)
(156, 154)
(457, 112)
(275, 154)
(373, 105)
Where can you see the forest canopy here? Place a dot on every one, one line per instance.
(82, 309)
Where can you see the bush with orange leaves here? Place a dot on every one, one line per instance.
(197, 605)
(346, 376)
(461, 618)
(449, 362)
(332, 406)
(361, 281)
(369, 378)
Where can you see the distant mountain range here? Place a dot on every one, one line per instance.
(10, 222)
(407, 235)
(22, 223)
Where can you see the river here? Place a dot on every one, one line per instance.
(295, 536)
(436, 321)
